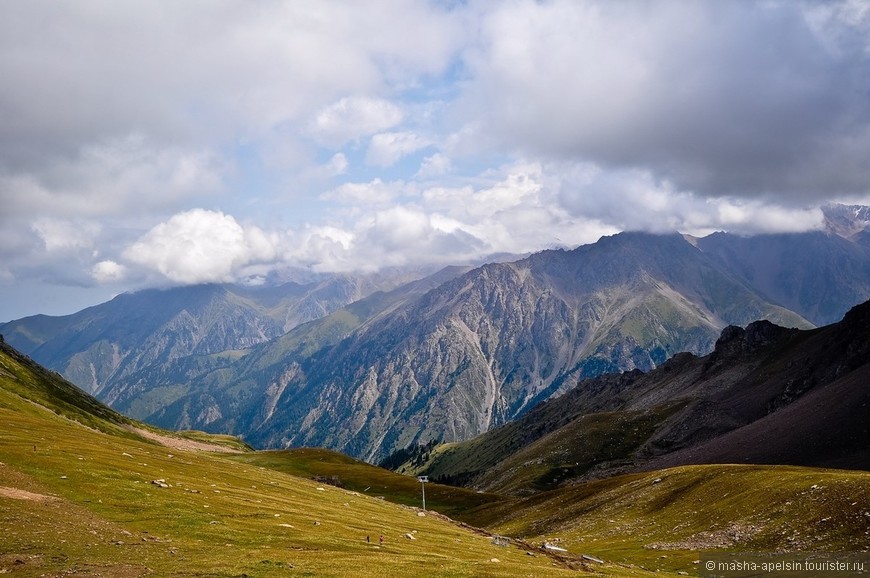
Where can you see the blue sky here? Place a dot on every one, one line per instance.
(149, 144)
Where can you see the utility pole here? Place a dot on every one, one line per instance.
(423, 480)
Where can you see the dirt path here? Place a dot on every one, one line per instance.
(181, 443)
(17, 494)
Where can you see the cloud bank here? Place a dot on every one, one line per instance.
(147, 143)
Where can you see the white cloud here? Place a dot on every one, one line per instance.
(323, 249)
(337, 164)
(404, 235)
(549, 123)
(108, 271)
(201, 246)
(194, 71)
(58, 235)
(739, 215)
(354, 117)
(633, 199)
(511, 211)
(514, 186)
(374, 192)
(516, 211)
(387, 148)
(434, 166)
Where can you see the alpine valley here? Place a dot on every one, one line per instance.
(368, 366)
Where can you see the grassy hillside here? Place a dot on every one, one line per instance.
(91, 493)
(337, 469)
(659, 521)
(591, 441)
(28, 381)
(78, 497)
(526, 455)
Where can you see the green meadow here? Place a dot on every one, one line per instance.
(84, 492)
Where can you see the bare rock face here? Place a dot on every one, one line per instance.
(767, 394)
(735, 340)
(483, 348)
(847, 221)
(122, 348)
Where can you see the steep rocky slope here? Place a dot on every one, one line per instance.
(766, 394)
(452, 355)
(481, 349)
(100, 347)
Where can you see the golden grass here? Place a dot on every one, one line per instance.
(102, 514)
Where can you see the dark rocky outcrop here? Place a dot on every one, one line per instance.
(766, 394)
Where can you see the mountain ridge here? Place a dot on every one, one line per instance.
(492, 324)
(806, 387)
(460, 352)
(103, 344)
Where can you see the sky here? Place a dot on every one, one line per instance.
(160, 143)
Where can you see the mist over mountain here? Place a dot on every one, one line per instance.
(848, 221)
(102, 345)
(451, 355)
(816, 274)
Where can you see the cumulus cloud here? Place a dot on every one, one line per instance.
(515, 186)
(108, 272)
(374, 192)
(516, 209)
(385, 149)
(58, 235)
(538, 124)
(390, 237)
(201, 246)
(510, 210)
(337, 164)
(434, 166)
(354, 117)
(322, 248)
(635, 199)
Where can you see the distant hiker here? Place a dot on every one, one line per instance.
(381, 540)
(368, 540)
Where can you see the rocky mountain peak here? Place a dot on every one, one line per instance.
(735, 340)
(848, 221)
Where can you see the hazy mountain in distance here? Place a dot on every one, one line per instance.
(848, 221)
(815, 274)
(226, 390)
(101, 345)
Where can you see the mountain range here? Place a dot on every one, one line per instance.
(102, 345)
(87, 491)
(448, 356)
(765, 395)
